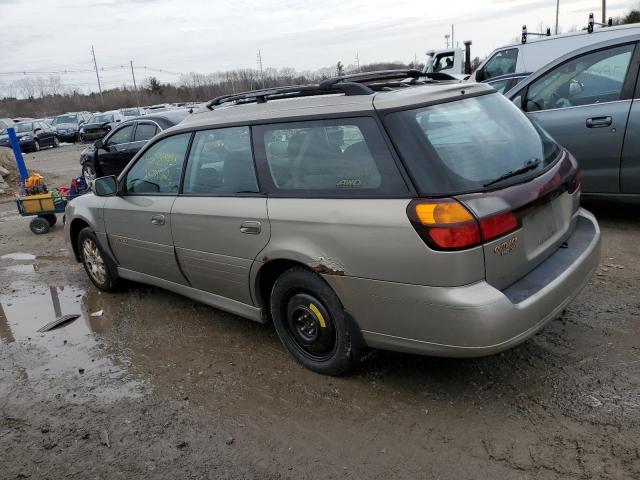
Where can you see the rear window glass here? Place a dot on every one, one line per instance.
(339, 157)
(463, 145)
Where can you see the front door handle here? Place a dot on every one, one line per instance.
(251, 227)
(599, 122)
(157, 219)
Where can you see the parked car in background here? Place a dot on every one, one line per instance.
(32, 135)
(129, 113)
(162, 107)
(110, 155)
(589, 101)
(6, 123)
(532, 55)
(22, 119)
(353, 214)
(504, 83)
(99, 125)
(67, 126)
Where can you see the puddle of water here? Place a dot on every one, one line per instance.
(71, 350)
(18, 256)
(23, 268)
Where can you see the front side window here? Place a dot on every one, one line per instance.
(145, 131)
(221, 163)
(122, 135)
(502, 63)
(159, 168)
(346, 156)
(593, 78)
(461, 146)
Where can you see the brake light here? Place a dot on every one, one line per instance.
(446, 224)
(498, 225)
(575, 182)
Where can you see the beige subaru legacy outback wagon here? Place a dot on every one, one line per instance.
(382, 210)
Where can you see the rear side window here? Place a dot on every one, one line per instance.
(501, 63)
(144, 131)
(334, 157)
(221, 163)
(122, 135)
(461, 146)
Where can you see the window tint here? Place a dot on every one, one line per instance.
(221, 163)
(460, 146)
(159, 168)
(333, 156)
(593, 78)
(145, 131)
(121, 136)
(501, 63)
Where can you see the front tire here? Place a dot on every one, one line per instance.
(56, 142)
(89, 172)
(312, 324)
(36, 146)
(99, 267)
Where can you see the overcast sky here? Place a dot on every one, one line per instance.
(211, 35)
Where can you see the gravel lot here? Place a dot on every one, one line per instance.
(147, 384)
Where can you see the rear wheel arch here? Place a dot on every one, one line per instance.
(267, 276)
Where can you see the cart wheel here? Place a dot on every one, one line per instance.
(39, 226)
(51, 218)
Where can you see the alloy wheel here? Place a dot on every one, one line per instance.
(93, 261)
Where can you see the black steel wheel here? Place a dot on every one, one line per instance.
(39, 225)
(312, 324)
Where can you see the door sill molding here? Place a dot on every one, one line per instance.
(211, 299)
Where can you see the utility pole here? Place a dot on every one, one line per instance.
(357, 62)
(452, 42)
(446, 37)
(135, 87)
(95, 64)
(604, 12)
(558, 14)
(260, 65)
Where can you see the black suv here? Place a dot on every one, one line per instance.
(110, 155)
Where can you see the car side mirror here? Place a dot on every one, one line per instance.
(99, 144)
(480, 75)
(105, 186)
(37, 130)
(118, 120)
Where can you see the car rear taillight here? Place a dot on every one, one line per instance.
(446, 224)
(575, 182)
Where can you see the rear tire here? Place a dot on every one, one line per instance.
(312, 324)
(39, 226)
(101, 270)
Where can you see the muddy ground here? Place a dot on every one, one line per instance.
(147, 384)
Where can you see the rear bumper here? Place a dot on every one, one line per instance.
(472, 320)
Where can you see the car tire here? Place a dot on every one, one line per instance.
(39, 226)
(89, 172)
(100, 269)
(36, 146)
(51, 218)
(56, 142)
(312, 324)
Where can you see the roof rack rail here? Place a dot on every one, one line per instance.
(365, 83)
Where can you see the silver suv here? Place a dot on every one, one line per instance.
(366, 211)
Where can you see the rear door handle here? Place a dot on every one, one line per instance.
(157, 220)
(599, 122)
(251, 227)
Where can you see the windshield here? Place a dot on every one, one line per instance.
(101, 118)
(24, 127)
(65, 119)
(460, 146)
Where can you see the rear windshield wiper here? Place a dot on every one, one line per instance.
(530, 164)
